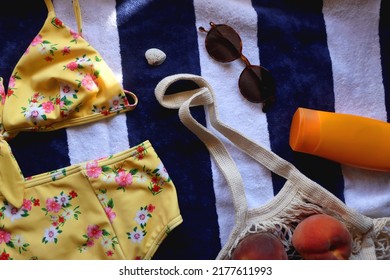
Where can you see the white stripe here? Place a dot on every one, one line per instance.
(249, 118)
(105, 137)
(353, 41)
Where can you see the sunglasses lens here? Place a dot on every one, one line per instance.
(223, 43)
(257, 84)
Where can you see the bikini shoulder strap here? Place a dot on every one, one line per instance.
(76, 9)
(50, 7)
(77, 13)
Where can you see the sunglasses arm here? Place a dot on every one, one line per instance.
(202, 29)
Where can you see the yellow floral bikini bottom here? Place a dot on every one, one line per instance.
(119, 207)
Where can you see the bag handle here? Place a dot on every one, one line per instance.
(265, 157)
(205, 96)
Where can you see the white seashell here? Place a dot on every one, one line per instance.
(155, 56)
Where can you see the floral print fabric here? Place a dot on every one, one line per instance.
(58, 82)
(119, 207)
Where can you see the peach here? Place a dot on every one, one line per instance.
(322, 237)
(259, 246)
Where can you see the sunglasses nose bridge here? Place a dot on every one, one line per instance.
(245, 59)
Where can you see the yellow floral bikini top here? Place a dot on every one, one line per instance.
(60, 81)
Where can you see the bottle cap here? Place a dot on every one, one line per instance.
(305, 131)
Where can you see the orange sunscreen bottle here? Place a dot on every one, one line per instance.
(348, 139)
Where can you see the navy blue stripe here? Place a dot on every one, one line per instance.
(170, 26)
(41, 152)
(293, 46)
(17, 32)
(384, 39)
(35, 152)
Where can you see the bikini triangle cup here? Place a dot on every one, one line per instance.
(299, 198)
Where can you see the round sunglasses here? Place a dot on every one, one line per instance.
(225, 45)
